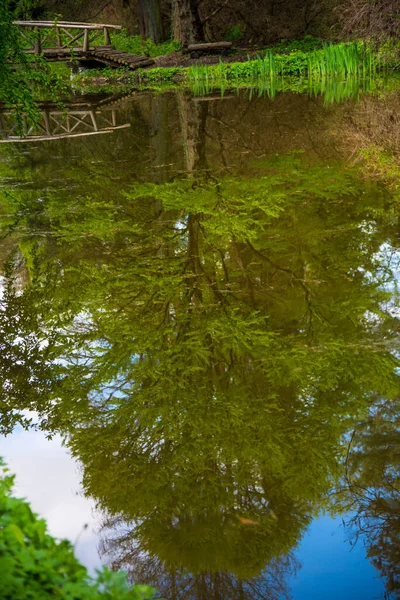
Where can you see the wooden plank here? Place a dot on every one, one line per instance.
(62, 53)
(110, 52)
(123, 58)
(211, 47)
(70, 24)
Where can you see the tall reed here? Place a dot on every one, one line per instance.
(342, 60)
(352, 60)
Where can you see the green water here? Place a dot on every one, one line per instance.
(205, 305)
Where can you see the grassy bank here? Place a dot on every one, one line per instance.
(354, 59)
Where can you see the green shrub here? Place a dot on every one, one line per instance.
(137, 45)
(34, 566)
(236, 32)
(306, 44)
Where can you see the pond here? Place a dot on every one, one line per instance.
(200, 338)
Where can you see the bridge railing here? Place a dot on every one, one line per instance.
(63, 35)
(53, 123)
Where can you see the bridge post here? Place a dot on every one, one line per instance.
(38, 41)
(86, 41)
(107, 40)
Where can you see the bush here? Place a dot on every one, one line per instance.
(137, 45)
(307, 44)
(33, 565)
(236, 32)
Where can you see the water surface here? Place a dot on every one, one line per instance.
(203, 305)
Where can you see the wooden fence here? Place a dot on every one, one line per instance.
(63, 35)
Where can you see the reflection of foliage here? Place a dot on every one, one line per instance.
(124, 552)
(27, 374)
(252, 355)
(218, 338)
(13, 87)
(373, 489)
(35, 566)
(372, 131)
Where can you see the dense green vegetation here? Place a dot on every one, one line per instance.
(19, 72)
(348, 67)
(137, 45)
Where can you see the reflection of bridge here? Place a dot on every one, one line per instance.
(79, 117)
(64, 40)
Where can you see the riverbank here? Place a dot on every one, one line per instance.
(353, 59)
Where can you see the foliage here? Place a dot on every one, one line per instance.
(33, 565)
(27, 9)
(18, 72)
(159, 74)
(26, 370)
(339, 60)
(343, 60)
(236, 32)
(307, 44)
(13, 87)
(136, 45)
(325, 70)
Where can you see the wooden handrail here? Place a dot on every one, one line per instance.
(56, 29)
(66, 25)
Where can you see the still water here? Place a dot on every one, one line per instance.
(200, 297)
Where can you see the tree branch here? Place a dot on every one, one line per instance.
(210, 16)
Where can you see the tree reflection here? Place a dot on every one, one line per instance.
(372, 489)
(214, 338)
(124, 552)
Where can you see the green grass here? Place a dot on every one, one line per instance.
(338, 72)
(137, 45)
(331, 61)
(342, 60)
(307, 44)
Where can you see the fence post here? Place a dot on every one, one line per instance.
(86, 41)
(38, 42)
(107, 41)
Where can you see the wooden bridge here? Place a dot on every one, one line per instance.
(81, 116)
(66, 40)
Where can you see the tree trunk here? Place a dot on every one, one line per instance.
(150, 20)
(186, 24)
(193, 117)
